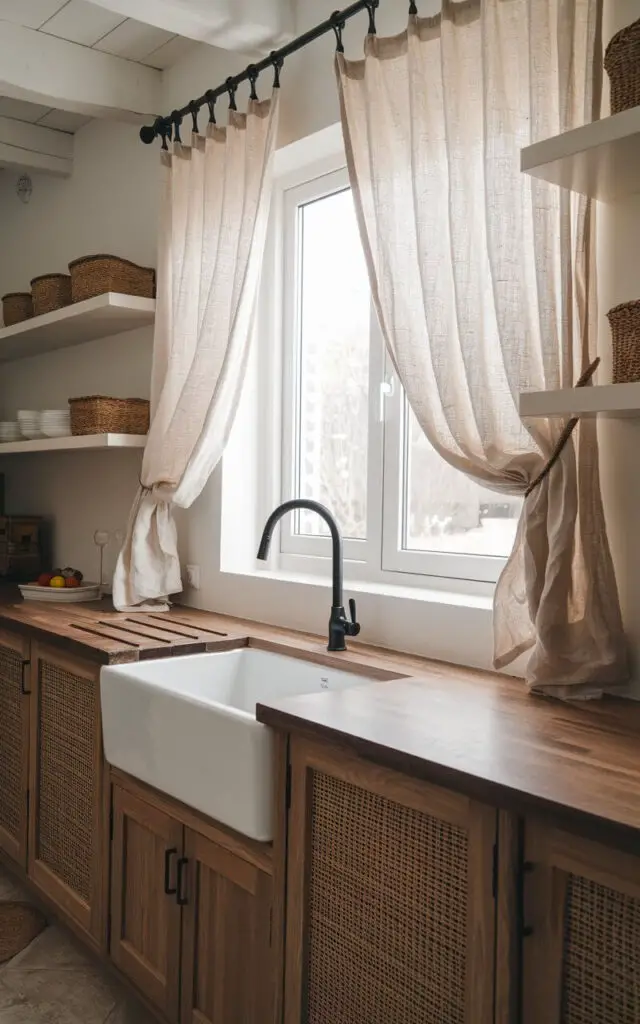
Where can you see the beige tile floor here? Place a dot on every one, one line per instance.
(55, 981)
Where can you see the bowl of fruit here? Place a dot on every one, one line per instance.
(65, 586)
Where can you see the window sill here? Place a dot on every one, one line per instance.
(424, 595)
(437, 624)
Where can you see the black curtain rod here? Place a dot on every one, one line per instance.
(166, 126)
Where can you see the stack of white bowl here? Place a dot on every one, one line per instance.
(9, 431)
(55, 422)
(29, 420)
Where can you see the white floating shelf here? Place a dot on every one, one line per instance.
(601, 159)
(100, 317)
(74, 444)
(613, 400)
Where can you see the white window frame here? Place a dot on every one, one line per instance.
(380, 558)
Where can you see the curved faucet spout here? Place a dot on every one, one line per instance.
(339, 625)
(336, 539)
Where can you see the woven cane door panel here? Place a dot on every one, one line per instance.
(387, 911)
(67, 784)
(601, 955)
(13, 753)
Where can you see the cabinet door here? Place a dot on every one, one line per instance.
(14, 745)
(145, 915)
(226, 966)
(67, 841)
(581, 944)
(390, 909)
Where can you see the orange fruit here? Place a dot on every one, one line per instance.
(71, 581)
(57, 581)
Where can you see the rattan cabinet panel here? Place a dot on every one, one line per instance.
(14, 745)
(390, 911)
(581, 950)
(67, 840)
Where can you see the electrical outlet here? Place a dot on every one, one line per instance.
(193, 576)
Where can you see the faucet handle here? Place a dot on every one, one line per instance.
(353, 627)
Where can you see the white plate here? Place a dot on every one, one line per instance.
(64, 595)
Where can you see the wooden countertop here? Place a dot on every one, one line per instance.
(484, 734)
(475, 731)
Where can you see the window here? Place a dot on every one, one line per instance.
(349, 438)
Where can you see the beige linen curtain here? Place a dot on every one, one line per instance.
(214, 213)
(484, 284)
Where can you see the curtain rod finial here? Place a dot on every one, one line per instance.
(147, 134)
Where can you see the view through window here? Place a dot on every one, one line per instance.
(362, 454)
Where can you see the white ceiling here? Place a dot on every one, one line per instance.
(98, 28)
(47, 117)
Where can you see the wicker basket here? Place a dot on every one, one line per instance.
(625, 334)
(50, 291)
(95, 414)
(95, 275)
(16, 307)
(622, 64)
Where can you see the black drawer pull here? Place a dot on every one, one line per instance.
(23, 685)
(181, 896)
(168, 888)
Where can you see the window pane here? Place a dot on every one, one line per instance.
(333, 374)
(444, 510)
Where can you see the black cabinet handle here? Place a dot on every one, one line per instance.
(23, 685)
(181, 897)
(169, 890)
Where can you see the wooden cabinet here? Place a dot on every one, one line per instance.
(226, 962)
(188, 914)
(145, 917)
(67, 841)
(390, 908)
(14, 745)
(581, 936)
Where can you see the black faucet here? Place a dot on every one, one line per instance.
(339, 624)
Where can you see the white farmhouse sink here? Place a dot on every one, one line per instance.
(187, 726)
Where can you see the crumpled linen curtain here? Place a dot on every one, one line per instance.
(213, 223)
(484, 284)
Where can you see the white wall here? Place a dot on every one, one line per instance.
(108, 205)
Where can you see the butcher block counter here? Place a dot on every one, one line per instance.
(453, 724)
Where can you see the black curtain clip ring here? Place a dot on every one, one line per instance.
(193, 110)
(165, 133)
(211, 103)
(278, 64)
(176, 119)
(252, 75)
(232, 89)
(338, 23)
(412, 7)
(371, 7)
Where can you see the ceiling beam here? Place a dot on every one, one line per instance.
(244, 25)
(44, 69)
(32, 148)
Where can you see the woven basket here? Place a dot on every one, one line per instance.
(622, 64)
(16, 307)
(95, 275)
(95, 414)
(50, 291)
(625, 334)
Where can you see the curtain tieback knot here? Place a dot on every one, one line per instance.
(566, 433)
